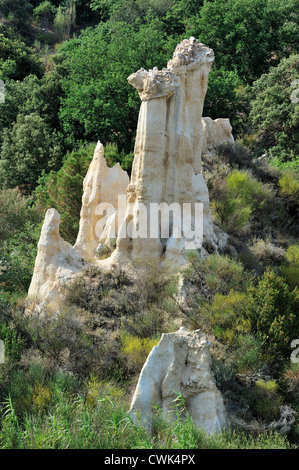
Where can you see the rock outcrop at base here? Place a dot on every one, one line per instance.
(180, 365)
(56, 264)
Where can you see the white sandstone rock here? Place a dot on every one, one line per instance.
(169, 142)
(102, 185)
(171, 138)
(56, 264)
(215, 133)
(180, 365)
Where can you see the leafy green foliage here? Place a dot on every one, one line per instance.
(17, 60)
(31, 95)
(27, 149)
(19, 234)
(290, 271)
(100, 86)
(17, 13)
(250, 35)
(226, 97)
(13, 343)
(289, 186)
(273, 313)
(237, 198)
(63, 190)
(273, 113)
(226, 316)
(266, 399)
(44, 12)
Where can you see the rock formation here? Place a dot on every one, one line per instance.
(180, 365)
(102, 185)
(215, 133)
(171, 138)
(169, 143)
(56, 264)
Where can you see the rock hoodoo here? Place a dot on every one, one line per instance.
(171, 138)
(56, 263)
(180, 365)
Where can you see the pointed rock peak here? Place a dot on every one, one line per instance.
(50, 229)
(99, 154)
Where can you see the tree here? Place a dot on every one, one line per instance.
(28, 148)
(16, 12)
(273, 113)
(251, 35)
(16, 59)
(44, 13)
(226, 97)
(19, 232)
(98, 102)
(31, 95)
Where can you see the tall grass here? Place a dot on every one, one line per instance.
(105, 424)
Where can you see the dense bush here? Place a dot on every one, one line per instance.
(27, 149)
(31, 95)
(255, 33)
(17, 60)
(273, 313)
(19, 233)
(226, 316)
(273, 113)
(237, 198)
(44, 13)
(290, 270)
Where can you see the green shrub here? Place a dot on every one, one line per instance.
(227, 319)
(29, 147)
(220, 274)
(247, 354)
(44, 12)
(96, 389)
(289, 186)
(237, 198)
(13, 342)
(113, 156)
(266, 399)
(136, 350)
(267, 253)
(290, 271)
(273, 113)
(19, 233)
(273, 313)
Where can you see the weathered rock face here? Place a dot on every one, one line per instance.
(180, 364)
(215, 133)
(171, 136)
(56, 264)
(102, 185)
